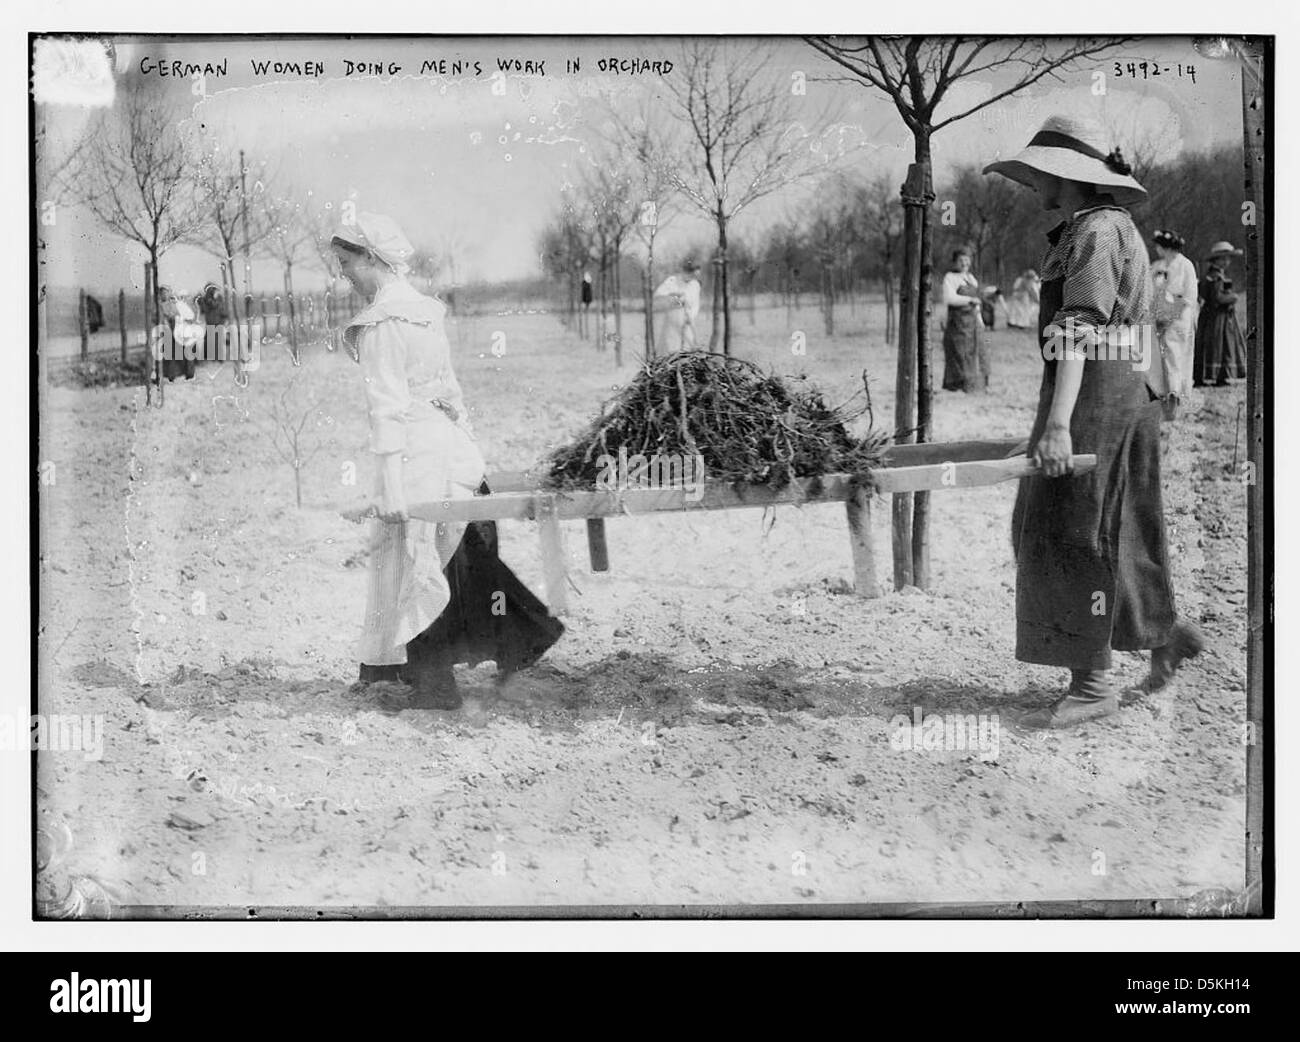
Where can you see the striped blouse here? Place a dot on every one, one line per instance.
(1103, 261)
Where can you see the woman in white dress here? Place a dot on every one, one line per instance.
(1173, 299)
(679, 298)
(431, 598)
(1022, 310)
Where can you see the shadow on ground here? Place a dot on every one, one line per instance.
(625, 686)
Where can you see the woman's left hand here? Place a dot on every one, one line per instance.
(1055, 451)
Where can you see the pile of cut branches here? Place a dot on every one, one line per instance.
(749, 426)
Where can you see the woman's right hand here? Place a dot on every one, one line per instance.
(393, 513)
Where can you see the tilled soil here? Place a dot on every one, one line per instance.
(714, 728)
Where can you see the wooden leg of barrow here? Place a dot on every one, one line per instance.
(596, 545)
(553, 565)
(858, 507)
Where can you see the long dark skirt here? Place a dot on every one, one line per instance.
(1092, 571)
(491, 617)
(174, 367)
(964, 368)
(1220, 351)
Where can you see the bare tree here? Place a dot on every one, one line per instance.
(425, 267)
(288, 236)
(55, 161)
(321, 218)
(917, 74)
(226, 218)
(610, 201)
(878, 207)
(295, 427)
(565, 246)
(639, 140)
(1144, 141)
(985, 210)
(744, 144)
(134, 177)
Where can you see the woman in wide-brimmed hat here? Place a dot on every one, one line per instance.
(437, 594)
(1092, 575)
(1173, 286)
(1220, 348)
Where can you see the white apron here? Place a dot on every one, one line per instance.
(403, 351)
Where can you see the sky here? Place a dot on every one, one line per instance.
(471, 163)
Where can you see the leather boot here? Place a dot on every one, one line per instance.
(376, 674)
(1089, 696)
(433, 685)
(1185, 641)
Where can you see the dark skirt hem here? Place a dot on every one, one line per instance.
(491, 616)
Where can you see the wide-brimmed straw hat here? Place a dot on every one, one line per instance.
(1077, 150)
(1221, 248)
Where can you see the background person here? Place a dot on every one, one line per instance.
(181, 326)
(679, 298)
(1022, 308)
(1173, 292)
(961, 350)
(1220, 350)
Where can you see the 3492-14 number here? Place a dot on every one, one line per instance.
(1149, 69)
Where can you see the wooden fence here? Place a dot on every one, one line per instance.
(294, 320)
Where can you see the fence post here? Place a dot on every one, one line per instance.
(83, 323)
(121, 320)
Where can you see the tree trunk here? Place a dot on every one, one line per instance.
(83, 323)
(154, 318)
(924, 382)
(905, 397)
(234, 293)
(891, 314)
(723, 278)
(618, 301)
(293, 318)
(648, 293)
(604, 294)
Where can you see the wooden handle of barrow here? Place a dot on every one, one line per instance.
(971, 474)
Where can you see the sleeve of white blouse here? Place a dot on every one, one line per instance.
(383, 363)
(953, 299)
(1183, 285)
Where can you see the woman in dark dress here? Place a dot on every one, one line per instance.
(1220, 352)
(178, 315)
(964, 366)
(1092, 575)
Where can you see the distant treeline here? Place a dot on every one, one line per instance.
(848, 240)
